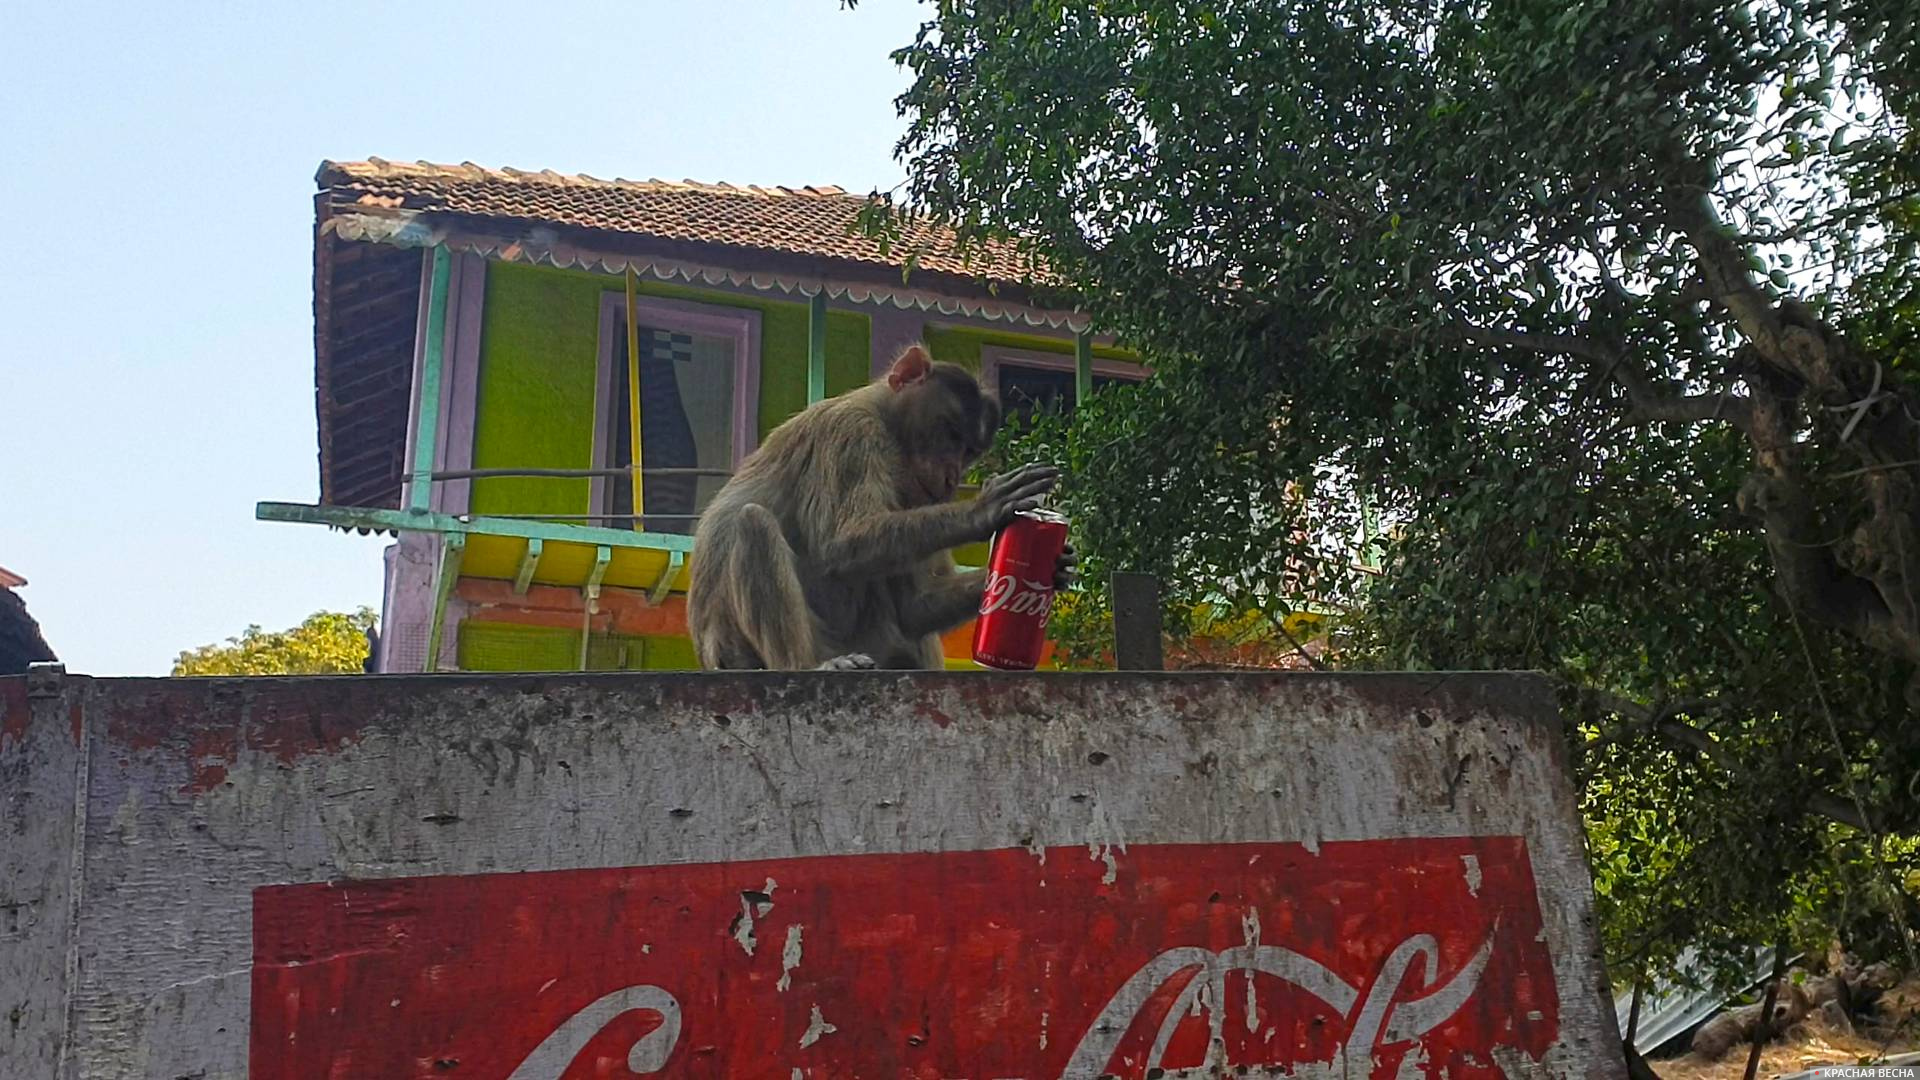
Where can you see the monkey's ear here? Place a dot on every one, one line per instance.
(911, 367)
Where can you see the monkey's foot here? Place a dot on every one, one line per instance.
(850, 662)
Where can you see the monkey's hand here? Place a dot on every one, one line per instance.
(1009, 493)
(1066, 571)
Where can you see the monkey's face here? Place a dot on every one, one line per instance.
(946, 422)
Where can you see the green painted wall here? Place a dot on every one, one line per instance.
(538, 350)
(962, 345)
(492, 646)
(539, 340)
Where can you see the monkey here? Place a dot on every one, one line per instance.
(829, 547)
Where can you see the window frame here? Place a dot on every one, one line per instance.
(994, 357)
(742, 325)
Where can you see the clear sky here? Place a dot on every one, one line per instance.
(156, 180)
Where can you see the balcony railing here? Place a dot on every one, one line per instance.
(585, 550)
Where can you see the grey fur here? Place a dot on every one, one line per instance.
(833, 539)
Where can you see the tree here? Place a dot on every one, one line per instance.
(21, 643)
(1605, 312)
(327, 643)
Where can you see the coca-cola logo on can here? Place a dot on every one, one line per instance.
(1016, 595)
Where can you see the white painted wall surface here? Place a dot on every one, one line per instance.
(130, 956)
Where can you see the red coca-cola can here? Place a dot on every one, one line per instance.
(1012, 629)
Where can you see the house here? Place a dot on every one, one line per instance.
(503, 359)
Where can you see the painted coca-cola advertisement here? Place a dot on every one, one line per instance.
(1382, 957)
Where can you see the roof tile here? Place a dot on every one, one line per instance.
(812, 221)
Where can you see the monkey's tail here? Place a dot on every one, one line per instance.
(772, 610)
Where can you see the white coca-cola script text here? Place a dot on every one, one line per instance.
(1031, 598)
(1377, 1014)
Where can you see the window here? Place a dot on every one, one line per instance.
(699, 391)
(1031, 381)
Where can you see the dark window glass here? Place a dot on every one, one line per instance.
(686, 409)
(1025, 390)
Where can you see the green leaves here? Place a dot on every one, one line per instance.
(1349, 235)
(326, 643)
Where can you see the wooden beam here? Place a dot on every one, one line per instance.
(633, 401)
(1136, 623)
(1082, 366)
(601, 557)
(432, 363)
(360, 517)
(817, 348)
(479, 474)
(528, 563)
(453, 549)
(675, 560)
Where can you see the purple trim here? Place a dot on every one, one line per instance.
(889, 330)
(719, 320)
(411, 559)
(406, 601)
(466, 304)
(407, 604)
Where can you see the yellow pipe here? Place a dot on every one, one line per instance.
(633, 400)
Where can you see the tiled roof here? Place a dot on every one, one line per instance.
(808, 221)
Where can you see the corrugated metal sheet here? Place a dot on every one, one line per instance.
(1669, 1010)
(366, 300)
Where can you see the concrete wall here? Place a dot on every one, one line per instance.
(864, 874)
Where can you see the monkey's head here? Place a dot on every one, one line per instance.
(944, 422)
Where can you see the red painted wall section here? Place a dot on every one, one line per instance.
(1070, 961)
(14, 712)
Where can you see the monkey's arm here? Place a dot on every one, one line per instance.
(948, 601)
(876, 540)
(895, 541)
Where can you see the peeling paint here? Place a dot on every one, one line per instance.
(817, 1027)
(1472, 865)
(15, 712)
(789, 958)
(1250, 934)
(742, 928)
(1103, 837)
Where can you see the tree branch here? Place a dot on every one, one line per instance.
(1806, 571)
(1734, 409)
(1565, 344)
(1662, 719)
(1801, 351)
(1800, 231)
(1647, 404)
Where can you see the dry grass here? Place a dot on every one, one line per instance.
(1805, 1048)
(1813, 1043)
